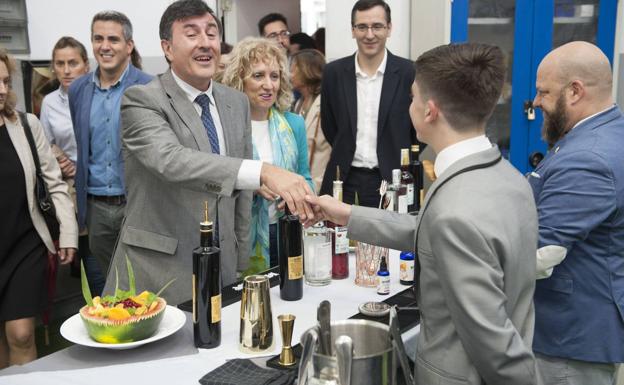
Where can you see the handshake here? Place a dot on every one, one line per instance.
(295, 192)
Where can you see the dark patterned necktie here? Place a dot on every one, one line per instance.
(204, 101)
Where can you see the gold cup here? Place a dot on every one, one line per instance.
(286, 323)
(256, 324)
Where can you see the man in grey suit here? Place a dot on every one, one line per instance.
(476, 234)
(186, 140)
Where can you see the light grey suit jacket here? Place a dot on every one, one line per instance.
(476, 239)
(52, 175)
(170, 171)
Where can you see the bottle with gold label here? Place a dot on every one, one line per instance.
(290, 254)
(206, 288)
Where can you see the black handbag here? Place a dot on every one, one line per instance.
(42, 195)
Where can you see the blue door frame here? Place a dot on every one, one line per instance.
(532, 41)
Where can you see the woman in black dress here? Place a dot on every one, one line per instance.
(24, 237)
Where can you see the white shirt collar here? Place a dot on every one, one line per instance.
(459, 150)
(380, 70)
(591, 116)
(62, 94)
(191, 92)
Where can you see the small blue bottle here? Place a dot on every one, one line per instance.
(383, 278)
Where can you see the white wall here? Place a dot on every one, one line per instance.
(49, 20)
(431, 25)
(338, 28)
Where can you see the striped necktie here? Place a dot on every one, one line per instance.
(204, 102)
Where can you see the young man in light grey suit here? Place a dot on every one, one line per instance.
(186, 140)
(476, 234)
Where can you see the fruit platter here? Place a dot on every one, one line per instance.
(123, 319)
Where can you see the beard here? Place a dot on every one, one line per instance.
(555, 123)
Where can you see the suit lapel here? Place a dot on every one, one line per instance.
(389, 88)
(350, 93)
(224, 107)
(185, 110)
(24, 153)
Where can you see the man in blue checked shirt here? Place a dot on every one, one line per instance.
(579, 193)
(94, 102)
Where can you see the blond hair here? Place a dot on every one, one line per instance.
(11, 99)
(250, 51)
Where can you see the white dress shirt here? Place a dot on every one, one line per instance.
(459, 150)
(368, 98)
(57, 123)
(248, 177)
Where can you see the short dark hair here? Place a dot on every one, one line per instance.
(303, 39)
(118, 18)
(365, 5)
(271, 18)
(183, 9)
(465, 80)
(70, 42)
(310, 64)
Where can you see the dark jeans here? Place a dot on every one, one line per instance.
(104, 222)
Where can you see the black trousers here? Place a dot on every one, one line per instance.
(365, 182)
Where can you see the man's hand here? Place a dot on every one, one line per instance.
(291, 187)
(68, 168)
(266, 193)
(327, 208)
(66, 255)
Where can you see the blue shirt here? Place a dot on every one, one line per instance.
(105, 160)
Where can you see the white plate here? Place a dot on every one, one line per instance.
(74, 330)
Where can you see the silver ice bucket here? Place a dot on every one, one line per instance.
(371, 362)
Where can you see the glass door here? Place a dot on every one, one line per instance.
(492, 22)
(527, 30)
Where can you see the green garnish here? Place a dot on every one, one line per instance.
(131, 282)
(86, 292)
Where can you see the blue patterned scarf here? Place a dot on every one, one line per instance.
(285, 155)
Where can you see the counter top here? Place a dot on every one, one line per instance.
(176, 360)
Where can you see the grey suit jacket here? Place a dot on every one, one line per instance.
(52, 175)
(170, 171)
(476, 239)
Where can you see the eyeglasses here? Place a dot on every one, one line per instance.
(275, 35)
(376, 28)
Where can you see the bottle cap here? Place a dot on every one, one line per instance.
(407, 255)
(415, 148)
(206, 224)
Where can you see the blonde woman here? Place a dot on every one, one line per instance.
(259, 68)
(24, 236)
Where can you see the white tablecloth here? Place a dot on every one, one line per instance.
(147, 365)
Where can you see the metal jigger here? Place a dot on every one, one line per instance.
(286, 323)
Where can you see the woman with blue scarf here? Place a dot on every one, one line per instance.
(259, 68)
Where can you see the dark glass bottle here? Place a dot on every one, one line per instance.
(340, 242)
(416, 169)
(407, 179)
(290, 252)
(206, 289)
